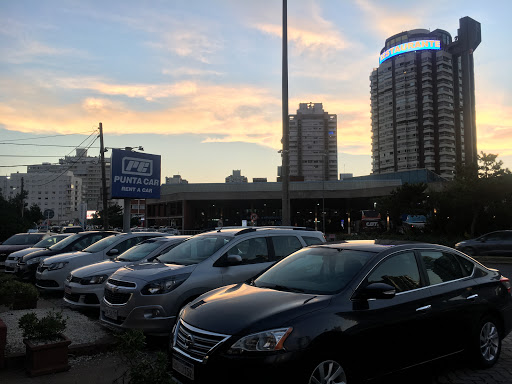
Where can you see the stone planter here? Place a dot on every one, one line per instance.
(41, 359)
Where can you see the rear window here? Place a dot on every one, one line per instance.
(312, 240)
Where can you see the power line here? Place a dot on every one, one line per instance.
(24, 165)
(44, 137)
(46, 145)
(30, 156)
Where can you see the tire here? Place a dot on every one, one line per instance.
(327, 371)
(486, 346)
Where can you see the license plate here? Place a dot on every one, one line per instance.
(183, 367)
(110, 313)
(67, 290)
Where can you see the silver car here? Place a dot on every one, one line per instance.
(84, 286)
(148, 296)
(52, 271)
(13, 258)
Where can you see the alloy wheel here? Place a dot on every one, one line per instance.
(328, 372)
(489, 342)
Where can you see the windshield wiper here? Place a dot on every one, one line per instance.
(286, 289)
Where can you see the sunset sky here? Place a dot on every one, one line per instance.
(199, 82)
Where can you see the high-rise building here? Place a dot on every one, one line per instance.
(88, 168)
(313, 146)
(423, 101)
(59, 194)
(236, 177)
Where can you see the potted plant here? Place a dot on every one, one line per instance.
(46, 346)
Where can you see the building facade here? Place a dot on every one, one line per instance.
(313, 148)
(88, 168)
(236, 177)
(59, 196)
(423, 101)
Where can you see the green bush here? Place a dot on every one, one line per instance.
(47, 328)
(18, 295)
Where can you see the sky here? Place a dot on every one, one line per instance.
(199, 82)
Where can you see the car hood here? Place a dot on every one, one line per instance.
(242, 308)
(8, 249)
(152, 271)
(104, 268)
(41, 253)
(65, 257)
(24, 252)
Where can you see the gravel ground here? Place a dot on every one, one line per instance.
(79, 328)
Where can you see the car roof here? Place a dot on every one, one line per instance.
(237, 231)
(165, 239)
(376, 246)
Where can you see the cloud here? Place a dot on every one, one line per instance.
(388, 21)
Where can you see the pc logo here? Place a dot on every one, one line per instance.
(137, 167)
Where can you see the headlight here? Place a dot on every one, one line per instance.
(54, 266)
(266, 341)
(35, 260)
(158, 287)
(98, 279)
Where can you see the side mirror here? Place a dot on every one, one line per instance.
(113, 252)
(377, 291)
(234, 260)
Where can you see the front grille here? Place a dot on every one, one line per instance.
(47, 283)
(91, 298)
(116, 298)
(72, 297)
(194, 342)
(120, 283)
(11, 258)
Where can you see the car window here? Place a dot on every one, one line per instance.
(252, 251)
(285, 245)
(442, 267)
(195, 249)
(127, 244)
(312, 240)
(48, 242)
(102, 244)
(86, 241)
(496, 236)
(400, 271)
(23, 239)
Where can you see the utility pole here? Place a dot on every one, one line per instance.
(103, 180)
(21, 197)
(285, 171)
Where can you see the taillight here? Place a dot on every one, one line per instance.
(506, 283)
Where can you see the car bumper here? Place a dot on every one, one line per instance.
(80, 295)
(148, 318)
(51, 280)
(26, 271)
(10, 266)
(282, 367)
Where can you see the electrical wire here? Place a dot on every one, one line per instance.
(44, 145)
(44, 137)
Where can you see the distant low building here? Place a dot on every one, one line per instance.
(344, 176)
(175, 179)
(236, 177)
(259, 179)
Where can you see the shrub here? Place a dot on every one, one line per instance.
(47, 328)
(18, 295)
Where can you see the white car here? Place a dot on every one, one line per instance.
(13, 258)
(84, 287)
(52, 271)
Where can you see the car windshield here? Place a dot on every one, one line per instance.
(49, 241)
(24, 239)
(102, 244)
(140, 251)
(64, 243)
(194, 250)
(321, 270)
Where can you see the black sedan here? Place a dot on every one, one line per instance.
(340, 313)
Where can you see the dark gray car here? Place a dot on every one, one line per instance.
(498, 243)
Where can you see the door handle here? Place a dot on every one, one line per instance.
(472, 297)
(422, 309)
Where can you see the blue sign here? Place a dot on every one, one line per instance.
(410, 47)
(135, 175)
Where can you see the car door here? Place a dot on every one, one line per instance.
(255, 258)
(455, 299)
(394, 333)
